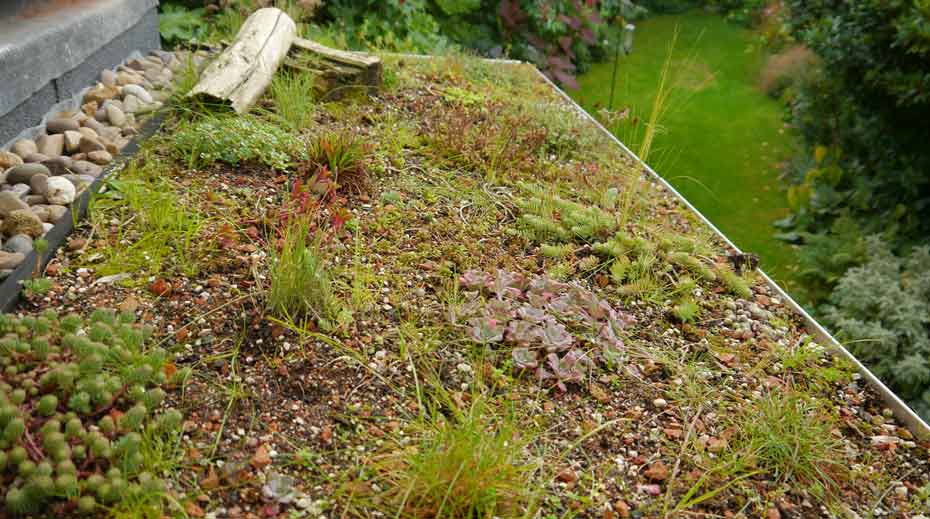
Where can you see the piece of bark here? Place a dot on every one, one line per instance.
(337, 72)
(240, 75)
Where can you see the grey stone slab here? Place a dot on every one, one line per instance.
(39, 49)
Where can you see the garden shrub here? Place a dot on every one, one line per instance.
(881, 310)
(77, 400)
(791, 66)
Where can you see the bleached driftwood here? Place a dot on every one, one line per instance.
(244, 70)
(336, 71)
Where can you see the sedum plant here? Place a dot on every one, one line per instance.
(558, 331)
(77, 397)
(646, 264)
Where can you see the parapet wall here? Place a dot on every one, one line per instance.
(49, 55)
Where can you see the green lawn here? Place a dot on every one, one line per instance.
(721, 137)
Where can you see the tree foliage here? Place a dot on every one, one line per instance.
(868, 107)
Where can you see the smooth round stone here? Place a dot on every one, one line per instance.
(100, 93)
(93, 124)
(9, 159)
(51, 145)
(24, 147)
(38, 184)
(22, 222)
(58, 165)
(35, 157)
(131, 104)
(9, 202)
(46, 227)
(60, 191)
(72, 140)
(140, 93)
(9, 261)
(61, 125)
(101, 158)
(34, 200)
(19, 243)
(20, 190)
(83, 167)
(115, 115)
(88, 132)
(55, 212)
(22, 173)
(89, 144)
(124, 78)
(108, 77)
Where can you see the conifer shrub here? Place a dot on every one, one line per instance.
(77, 397)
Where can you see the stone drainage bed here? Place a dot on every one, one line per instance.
(46, 178)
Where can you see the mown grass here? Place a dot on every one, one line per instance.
(721, 137)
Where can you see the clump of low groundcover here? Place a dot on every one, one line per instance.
(76, 400)
(236, 139)
(649, 265)
(559, 331)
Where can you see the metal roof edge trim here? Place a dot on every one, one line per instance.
(902, 412)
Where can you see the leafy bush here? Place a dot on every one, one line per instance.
(869, 107)
(178, 24)
(560, 37)
(235, 139)
(556, 330)
(881, 310)
(78, 393)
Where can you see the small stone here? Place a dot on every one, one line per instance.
(35, 157)
(567, 475)
(72, 140)
(33, 200)
(100, 158)
(22, 221)
(139, 92)
(622, 509)
(130, 305)
(24, 147)
(115, 115)
(56, 212)
(93, 124)
(60, 191)
(10, 260)
(89, 144)
(59, 165)
(24, 172)
(90, 110)
(131, 104)
(20, 190)
(8, 160)
(61, 125)
(75, 244)
(124, 78)
(160, 287)
(657, 471)
(88, 132)
(772, 513)
(108, 77)
(51, 145)
(9, 202)
(39, 184)
(83, 167)
(19, 243)
(101, 93)
(660, 403)
(260, 459)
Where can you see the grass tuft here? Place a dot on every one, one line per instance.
(465, 466)
(300, 284)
